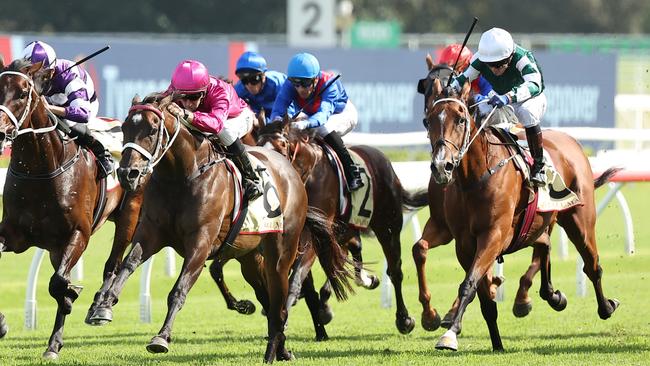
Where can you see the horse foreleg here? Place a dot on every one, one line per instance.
(192, 267)
(125, 224)
(137, 256)
(433, 235)
(476, 263)
(490, 312)
(62, 290)
(241, 306)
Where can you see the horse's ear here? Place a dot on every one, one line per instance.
(2, 62)
(429, 60)
(464, 93)
(34, 68)
(136, 100)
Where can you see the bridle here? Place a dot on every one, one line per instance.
(161, 146)
(18, 122)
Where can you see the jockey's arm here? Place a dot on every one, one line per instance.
(282, 101)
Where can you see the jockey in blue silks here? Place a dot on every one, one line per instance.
(329, 111)
(257, 85)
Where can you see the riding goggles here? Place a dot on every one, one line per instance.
(499, 64)
(192, 97)
(304, 82)
(251, 79)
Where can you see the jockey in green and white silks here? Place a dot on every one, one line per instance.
(517, 79)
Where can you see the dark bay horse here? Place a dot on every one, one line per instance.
(390, 200)
(52, 197)
(189, 195)
(482, 214)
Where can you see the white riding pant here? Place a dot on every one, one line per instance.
(342, 123)
(237, 127)
(530, 112)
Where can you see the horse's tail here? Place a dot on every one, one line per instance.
(606, 176)
(330, 255)
(414, 200)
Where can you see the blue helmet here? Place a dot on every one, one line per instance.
(250, 62)
(303, 65)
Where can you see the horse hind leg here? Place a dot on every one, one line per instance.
(581, 232)
(245, 307)
(4, 328)
(523, 304)
(313, 303)
(556, 299)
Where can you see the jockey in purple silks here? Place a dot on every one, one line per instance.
(70, 95)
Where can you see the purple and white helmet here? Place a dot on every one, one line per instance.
(38, 51)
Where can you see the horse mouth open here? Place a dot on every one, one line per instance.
(442, 171)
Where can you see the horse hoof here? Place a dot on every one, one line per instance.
(375, 282)
(102, 315)
(285, 356)
(50, 355)
(447, 320)
(448, 341)
(245, 307)
(158, 345)
(521, 310)
(431, 323)
(4, 328)
(321, 337)
(558, 301)
(405, 325)
(325, 315)
(607, 312)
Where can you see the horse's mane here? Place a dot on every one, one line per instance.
(18, 65)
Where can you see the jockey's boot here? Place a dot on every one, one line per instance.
(352, 171)
(535, 143)
(84, 138)
(251, 181)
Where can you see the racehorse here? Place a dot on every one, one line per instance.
(52, 197)
(389, 199)
(486, 198)
(181, 171)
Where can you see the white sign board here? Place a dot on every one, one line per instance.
(311, 23)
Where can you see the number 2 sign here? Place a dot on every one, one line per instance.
(310, 23)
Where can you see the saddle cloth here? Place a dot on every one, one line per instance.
(555, 195)
(360, 203)
(108, 131)
(264, 214)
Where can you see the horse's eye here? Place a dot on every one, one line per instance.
(23, 94)
(462, 121)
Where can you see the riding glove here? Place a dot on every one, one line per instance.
(499, 100)
(478, 98)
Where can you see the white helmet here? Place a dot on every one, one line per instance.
(495, 45)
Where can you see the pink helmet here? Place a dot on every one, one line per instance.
(190, 76)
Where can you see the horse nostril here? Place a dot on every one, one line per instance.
(133, 174)
(449, 167)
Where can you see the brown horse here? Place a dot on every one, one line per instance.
(52, 197)
(390, 199)
(180, 171)
(486, 199)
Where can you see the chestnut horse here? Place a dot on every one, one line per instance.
(181, 171)
(390, 200)
(482, 210)
(52, 197)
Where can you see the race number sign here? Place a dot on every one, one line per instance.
(311, 23)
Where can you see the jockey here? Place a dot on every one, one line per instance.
(212, 105)
(329, 111)
(70, 94)
(257, 85)
(517, 80)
